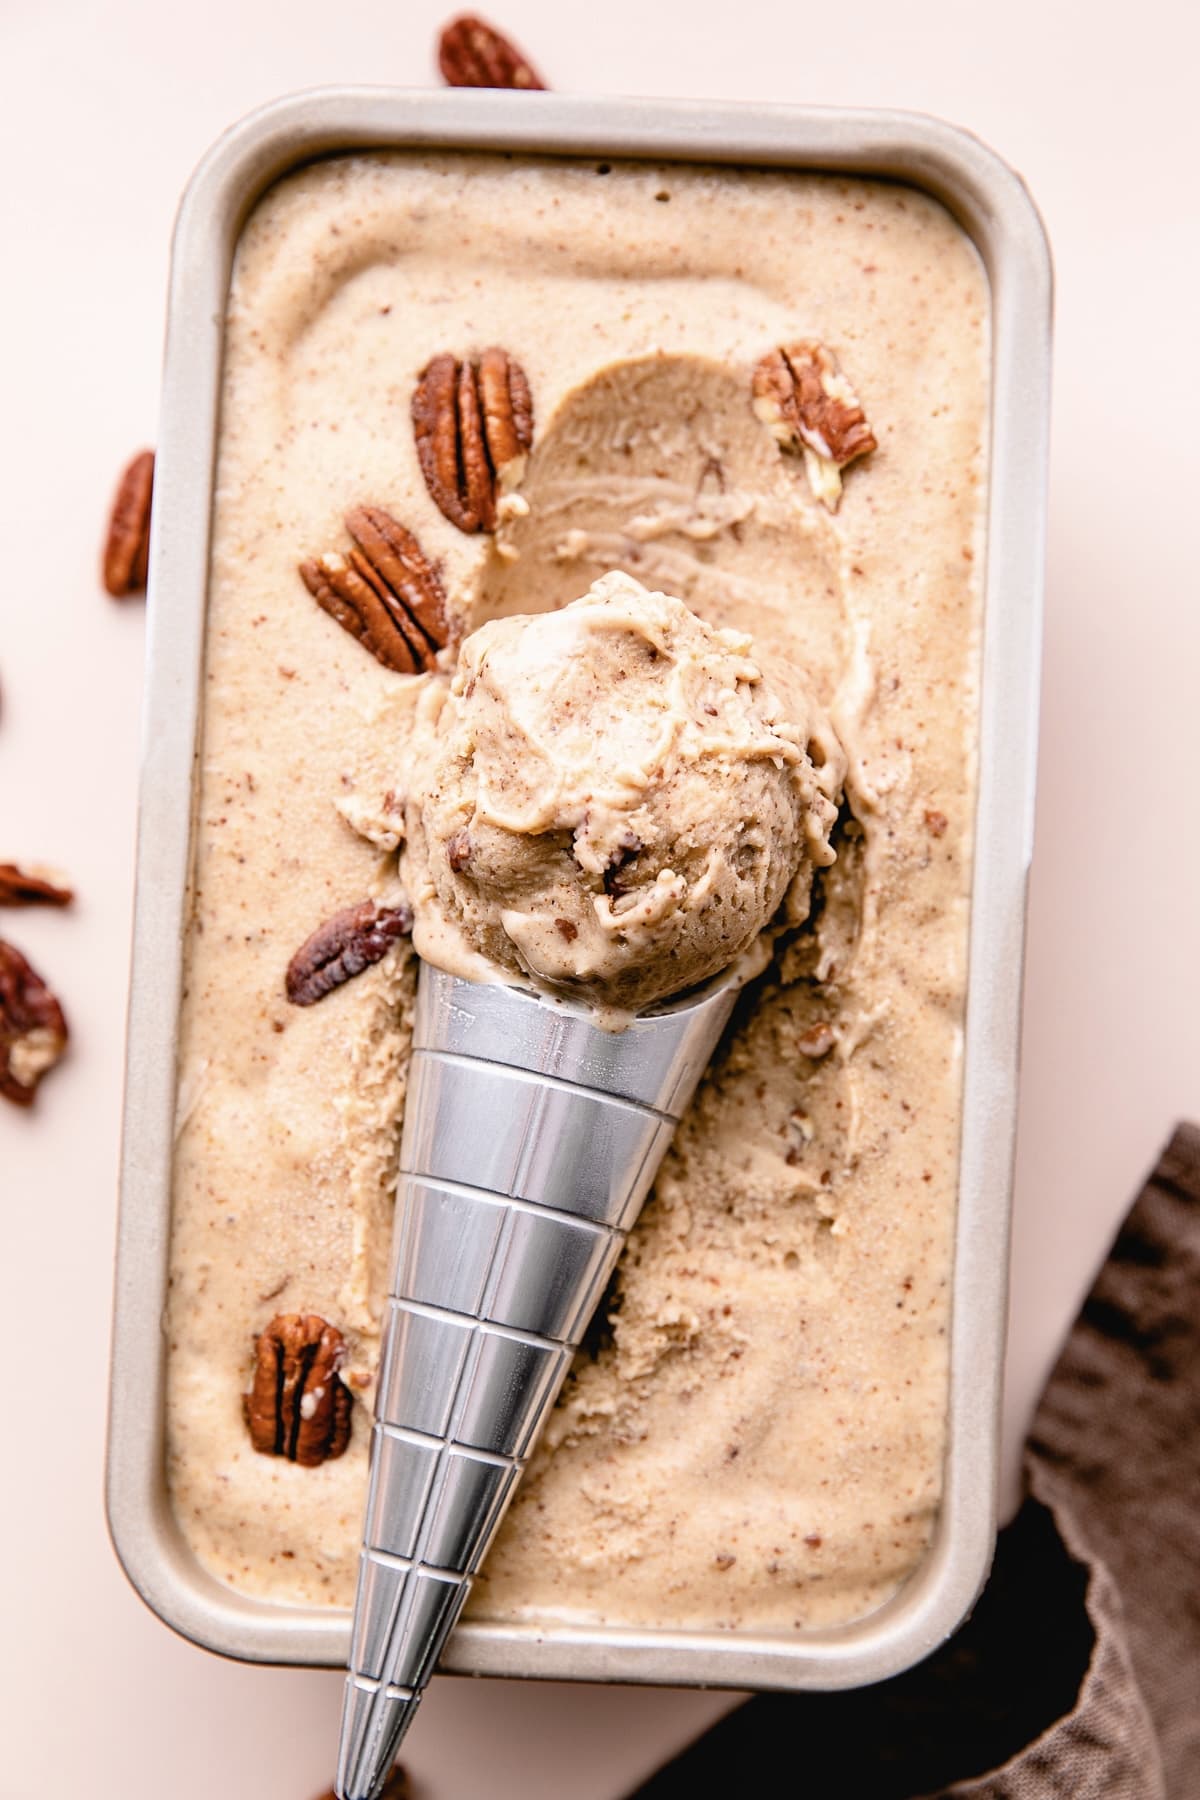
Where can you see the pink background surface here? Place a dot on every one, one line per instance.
(107, 109)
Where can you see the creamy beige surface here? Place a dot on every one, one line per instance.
(612, 802)
(757, 1436)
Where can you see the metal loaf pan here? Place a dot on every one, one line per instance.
(992, 205)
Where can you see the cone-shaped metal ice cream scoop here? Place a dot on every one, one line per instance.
(531, 1138)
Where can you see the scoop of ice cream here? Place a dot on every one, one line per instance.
(611, 800)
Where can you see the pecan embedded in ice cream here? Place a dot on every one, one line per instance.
(805, 400)
(24, 887)
(127, 546)
(343, 947)
(386, 594)
(414, 589)
(33, 1031)
(473, 422)
(458, 851)
(472, 53)
(297, 1407)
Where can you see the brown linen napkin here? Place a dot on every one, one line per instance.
(1077, 1676)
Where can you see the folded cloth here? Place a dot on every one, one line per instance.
(1078, 1673)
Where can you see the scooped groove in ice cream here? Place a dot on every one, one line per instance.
(613, 801)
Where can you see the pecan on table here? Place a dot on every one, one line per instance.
(22, 887)
(808, 405)
(343, 947)
(386, 594)
(297, 1407)
(33, 1031)
(472, 53)
(127, 546)
(473, 422)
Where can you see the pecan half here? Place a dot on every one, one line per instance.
(472, 53)
(387, 594)
(473, 422)
(22, 887)
(413, 587)
(127, 545)
(808, 405)
(33, 1031)
(343, 947)
(296, 1406)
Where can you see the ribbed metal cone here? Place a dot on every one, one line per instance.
(531, 1139)
(374, 1719)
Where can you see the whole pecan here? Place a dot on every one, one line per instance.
(21, 887)
(801, 395)
(473, 422)
(387, 594)
(127, 545)
(33, 1031)
(343, 947)
(297, 1407)
(472, 53)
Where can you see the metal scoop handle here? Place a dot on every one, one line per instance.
(531, 1139)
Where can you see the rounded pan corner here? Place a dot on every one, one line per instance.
(910, 1626)
(194, 1605)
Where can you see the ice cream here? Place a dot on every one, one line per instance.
(754, 1438)
(612, 801)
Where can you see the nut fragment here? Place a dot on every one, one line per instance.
(458, 851)
(296, 1406)
(473, 422)
(817, 1041)
(808, 405)
(472, 53)
(33, 1031)
(25, 887)
(127, 546)
(343, 947)
(387, 594)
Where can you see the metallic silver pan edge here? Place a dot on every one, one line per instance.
(993, 206)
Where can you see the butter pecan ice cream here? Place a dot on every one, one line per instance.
(612, 800)
(753, 1439)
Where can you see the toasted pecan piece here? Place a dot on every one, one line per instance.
(297, 1407)
(817, 1041)
(472, 53)
(25, 887)
(33, 1030)
(343, 947)
(127, 544)
(808, 405)
(473, 422)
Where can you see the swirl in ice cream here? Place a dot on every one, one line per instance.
(613, 800)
